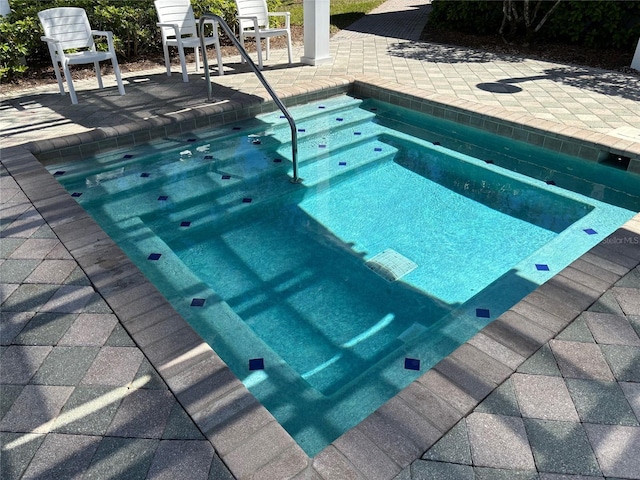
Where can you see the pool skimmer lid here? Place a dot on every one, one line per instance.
(391, 265)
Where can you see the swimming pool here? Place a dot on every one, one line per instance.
(327, 298)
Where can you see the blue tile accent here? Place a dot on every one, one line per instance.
(543, 267)
(59, 173)
(197, 302)
(226, 177)
(321, 106)
(411, 364)
(236, 128)
(277, 160)
(342, 164)
(282, 116)
(208, 157)
(377, 149)
(339, 119)
(488, 161)
(144, 174)
(436, 143)
(185, 224)
(246, 200)
(191, 140)
(163, 198)
(357, 133)
(550, 182)
(483, 313)
(76, 194)
(154, 256)
(256, 364)
(322, 146)
(374, 109)
(301, 130)
(590, 231)
(128, 155)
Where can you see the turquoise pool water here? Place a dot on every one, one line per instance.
(328, 297)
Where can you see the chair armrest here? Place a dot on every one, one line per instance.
(169, 25)
(256, 27)
(210, 21)
(102, 33)
(55, 47)
(286, 15)
(109, 35)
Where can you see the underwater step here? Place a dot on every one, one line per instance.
(199, 143)
(348, 162)
(323, 127)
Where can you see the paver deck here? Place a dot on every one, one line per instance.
(101, 378)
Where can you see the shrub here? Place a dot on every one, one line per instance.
(600, 23)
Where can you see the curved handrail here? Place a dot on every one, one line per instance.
(245, 55)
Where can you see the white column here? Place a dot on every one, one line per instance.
(635, 63)
(4, 8)
(316, 32)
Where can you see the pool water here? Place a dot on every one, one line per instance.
(326, 298)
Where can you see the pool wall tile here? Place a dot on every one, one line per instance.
(256, 364)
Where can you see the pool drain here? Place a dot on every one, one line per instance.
(391, 265)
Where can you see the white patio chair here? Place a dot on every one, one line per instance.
(70, 41)
(253, 18)
(180, 29)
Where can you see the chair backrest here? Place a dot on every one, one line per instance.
(178, 12)
(68, 25)
(253, 8)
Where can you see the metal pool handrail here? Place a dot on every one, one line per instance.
(245, 55)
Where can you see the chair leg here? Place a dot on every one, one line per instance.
(259, 49)
(72, 91)
(219, 58)
(183, 64)
(242, 60)
(56, 68)
(116, 70)
(96, 65)
(289, 47)
(267, 42)
(196, 52)
(167, 62)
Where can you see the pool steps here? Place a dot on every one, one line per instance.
(331, 155)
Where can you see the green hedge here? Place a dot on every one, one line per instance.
(599, 23)
(133, 23)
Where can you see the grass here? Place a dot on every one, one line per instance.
(342, 12)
